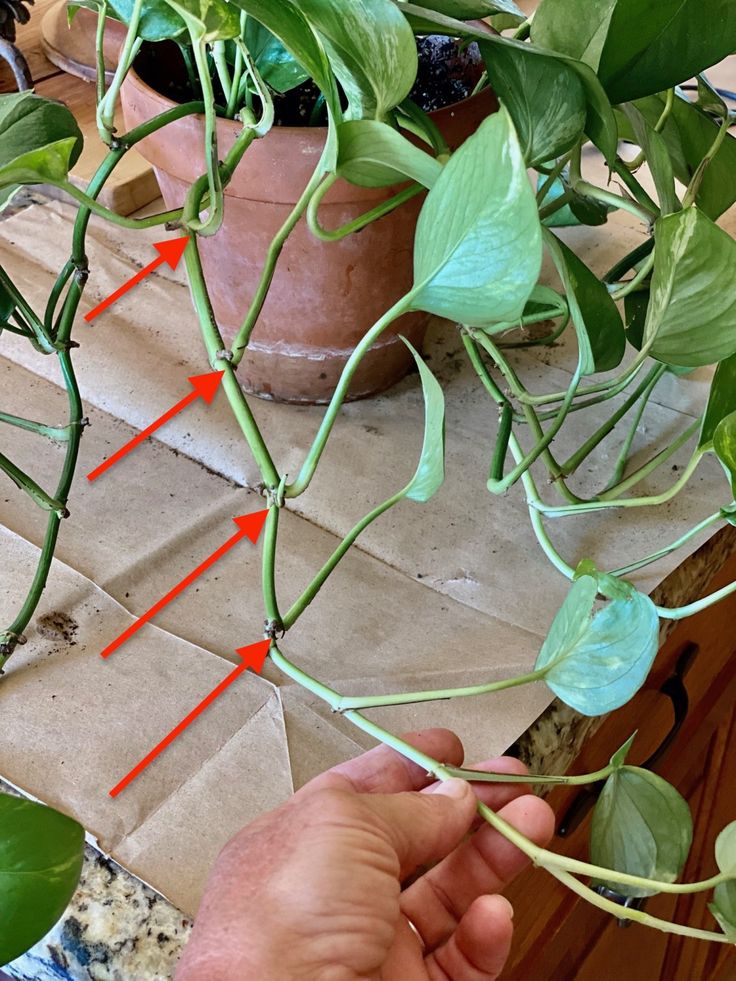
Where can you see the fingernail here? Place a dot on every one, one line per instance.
(509, 909)
(455, 788)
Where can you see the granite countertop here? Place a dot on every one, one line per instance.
(116, 927)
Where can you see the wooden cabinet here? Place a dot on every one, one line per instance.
(559, 936)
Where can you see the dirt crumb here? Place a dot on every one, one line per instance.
(58, 626)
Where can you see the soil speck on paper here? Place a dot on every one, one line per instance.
(58, 626)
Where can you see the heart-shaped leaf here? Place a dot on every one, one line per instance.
(41, 854)
(600, 123)
(474, 9)
(371, 49)
(276, 66)
(724, 443)
(373, 154)
(596, 662)
(208, 20)
(721, 401)
(571, 28)
(726, 849)
(609, 586)
(689, 133)
(430, 472)
(158, 21)
(598, 324)
(478, 249)
(638, 48)
(658, 159)
(691, 319)
(30, 123)
(544, 97)
(50, 165)
(723, 907)
(642, 826)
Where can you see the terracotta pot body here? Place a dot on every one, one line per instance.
(324, 296)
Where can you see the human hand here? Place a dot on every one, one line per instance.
(312, 891)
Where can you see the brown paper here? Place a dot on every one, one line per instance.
(449, 593)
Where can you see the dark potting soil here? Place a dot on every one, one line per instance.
(447, 74)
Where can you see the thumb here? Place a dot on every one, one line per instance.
(425, 827)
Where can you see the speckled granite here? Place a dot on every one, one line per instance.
(114, 929)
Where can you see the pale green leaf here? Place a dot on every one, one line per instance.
(724, 443)
(478, 249)
(430, 472)
(597, 662)
(691, 318)
(371, 48)
(50, 165)
(158, 21)
(208, 20)
(726, 849)
(642, 826)
(373, 154)
(579, 31)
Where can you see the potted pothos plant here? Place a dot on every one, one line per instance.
(578, 73)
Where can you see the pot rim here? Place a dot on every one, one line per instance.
(320, 132)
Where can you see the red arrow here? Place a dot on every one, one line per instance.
(249, 526)
(170, 251)
(253, 657)
(203, 386)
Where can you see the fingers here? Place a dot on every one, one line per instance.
(424, 828)
(479, 948)
(485, 863)
(384, 771)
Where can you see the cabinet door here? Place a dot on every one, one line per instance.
(559, 936)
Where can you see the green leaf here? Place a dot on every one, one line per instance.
(724, 443)
(29, 122)
(575, 29)
(638, 48)
(208, 20)
(598, 324)
(50, 165)
(619, 757)
(371, 49)
(7, 305)
(691, 319)
(642, 826)
(729, 514)
(600, 123)
(636, 305)
(658, 159)
(726, 849)
(430, 473)
(41, 854)
(596, 663)
(709, 100)
(158, 22)
(544, 97)
(474, 9)
(609, 586)
(478, 249)
(373, 154)
(723, 908)
(721, 401)
(277, 66)
(689, 133)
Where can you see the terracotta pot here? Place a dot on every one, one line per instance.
(324, 296)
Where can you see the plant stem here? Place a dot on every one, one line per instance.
(214, 346)
(489, 776)
(306, 473)
(350, 227)
(645, 388)
(214, 182)
(100, 82)
(269, 268)
(270, 535)
(635, 915)
(59, 434)
(222, 68)
(319, 580)
(656, 461)
(328, 695)
(706, 523)
(638, 279)
(410, 698)
(37, 494)
(151, 221)
(106, 106)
